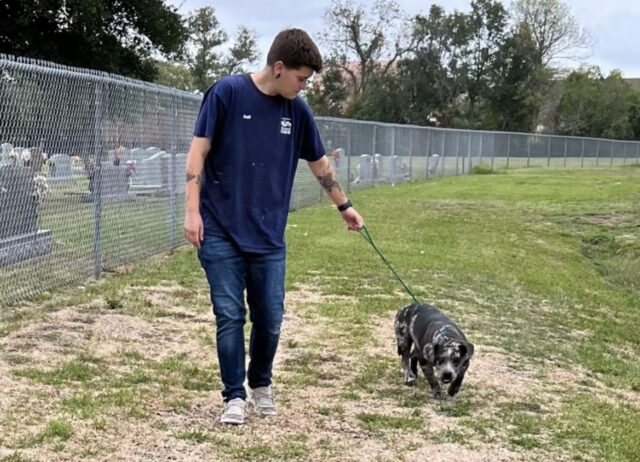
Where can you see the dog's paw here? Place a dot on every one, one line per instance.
(409, 378)
(437, 394)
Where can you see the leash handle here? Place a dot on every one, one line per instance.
(367, 237)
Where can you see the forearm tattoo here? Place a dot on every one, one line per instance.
(191, 176)
(329, 182)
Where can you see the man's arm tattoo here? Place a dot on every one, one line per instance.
(329, 182)
(191, 176)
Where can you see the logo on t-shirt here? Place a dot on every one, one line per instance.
(285, 126)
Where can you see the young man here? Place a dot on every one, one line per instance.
(249, 135)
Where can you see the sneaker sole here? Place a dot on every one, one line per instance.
(232, 420)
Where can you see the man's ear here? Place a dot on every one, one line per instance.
(277, 68)
(429, 352)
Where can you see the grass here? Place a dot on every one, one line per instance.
(538, 266)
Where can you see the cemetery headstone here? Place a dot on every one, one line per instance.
(378, 167)
(150, 174)
(135, 154)
(20, 238)
(37, 159)
(114, 183)
(396, 172)
(60, 169)
(365, 168)
(5, 154)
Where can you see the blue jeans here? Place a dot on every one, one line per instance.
(229, 272)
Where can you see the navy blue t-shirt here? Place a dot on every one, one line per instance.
(256, 141)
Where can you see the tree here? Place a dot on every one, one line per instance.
(555, 32)
(517, 84)
(364, 42)
(595, 106)
(206, 36)
(327, 95)
(429, 73)
(575, 111)
(109, 35)
(481, 35)
(243, 52)
(175, 75)
(383, 100)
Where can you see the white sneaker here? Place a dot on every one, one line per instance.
(233, 412)
(262, 400)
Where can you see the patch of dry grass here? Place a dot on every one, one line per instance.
(116, 386)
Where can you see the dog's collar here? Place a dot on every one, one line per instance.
(442, 333)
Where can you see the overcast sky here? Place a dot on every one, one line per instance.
(614, 24)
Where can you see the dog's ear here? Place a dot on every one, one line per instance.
(429, 352)
(466, 349)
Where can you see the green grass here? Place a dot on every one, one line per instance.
(78, 370)
(541, 265)
(606, 429)
(374, 422)
(505, 240)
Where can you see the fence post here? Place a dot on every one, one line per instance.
(582, 155)
(373, 156)
(97, 181)
(624, 154)
(468, 154)
(411, 130)
(428, 152)
(637, 153)
(348, 154)
(565, 153)
(548, 152)
(493, 149)
(392, 172)
(598, 153)
(529, 148)
(444, 156)
(611, 160)
(173, 189)
(508, 149)
(457, 152)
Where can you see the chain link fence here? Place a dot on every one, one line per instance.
(92, 168)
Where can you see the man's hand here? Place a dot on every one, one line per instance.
(193, 228)
(353, 219)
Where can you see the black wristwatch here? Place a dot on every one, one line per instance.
(345, 206)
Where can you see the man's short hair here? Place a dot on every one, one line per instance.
(295, 49)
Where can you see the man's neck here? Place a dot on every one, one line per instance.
(265, 81)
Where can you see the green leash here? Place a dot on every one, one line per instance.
(368, 238)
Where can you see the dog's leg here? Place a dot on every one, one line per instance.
(407, 369)
(427, 370)
(456, 384)
(414, 366)
(404, 341)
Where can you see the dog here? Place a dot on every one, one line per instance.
(438, 345)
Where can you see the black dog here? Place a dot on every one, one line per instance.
(437, 344)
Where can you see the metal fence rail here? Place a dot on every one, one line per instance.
(92, 168)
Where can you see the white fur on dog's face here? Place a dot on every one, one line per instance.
(447, 361)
